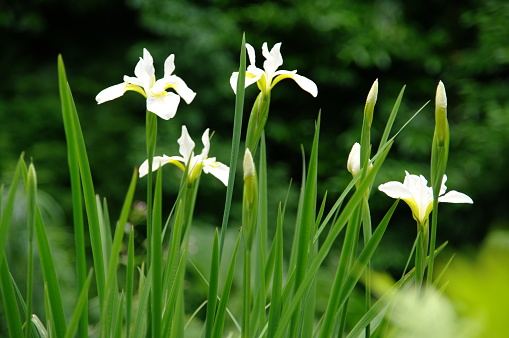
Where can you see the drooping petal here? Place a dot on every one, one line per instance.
(273, 61)
(354, 159)
(454, 196)
(395, 189)
(111, 93)
(177, 84)
(157, 162)
(186, 145)
(302, 81)
(218, 169)
(163, 105)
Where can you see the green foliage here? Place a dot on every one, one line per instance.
(341, 45)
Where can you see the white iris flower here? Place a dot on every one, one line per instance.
(415, 192)
(195, 163)
(354, 160)
(267, 78)
(159, 101)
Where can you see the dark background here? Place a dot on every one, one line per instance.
(342, 45)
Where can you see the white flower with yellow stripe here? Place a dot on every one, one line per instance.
(195, 163)
(269, 76)
(160, 101)
(415, 192)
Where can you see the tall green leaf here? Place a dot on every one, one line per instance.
(75, 140)
(237, 131)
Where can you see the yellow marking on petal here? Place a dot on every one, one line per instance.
(136, 88)
(195, 172)
(281, 77)
(178, 164)
(250, 75)
(414, 207)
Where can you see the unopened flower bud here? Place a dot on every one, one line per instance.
(249, 177)
(370, 102)
(250, 200)
(441, 124)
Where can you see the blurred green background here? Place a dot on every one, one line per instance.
(342, 45)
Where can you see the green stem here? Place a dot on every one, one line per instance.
(246, 294)
(421, 253)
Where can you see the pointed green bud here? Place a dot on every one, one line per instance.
(250, 200)
(370, 102)
(31, 199)
(441, 124)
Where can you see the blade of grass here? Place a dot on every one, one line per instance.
(75, 139)
(277, 281)
(213, 287)
(345, 260)
(111, 288)
(140, 324)
(79, 232)
(38, 329)
(157, 253)
(119, 316)
(392, 117)
(171, 316)
(258, 316)
(31, 189)
(237, 131)
(306, 229)
(50, 276)
(9, 205)
(129, 281)
(80, 307)
(217, 331)
(383, 302)
(366, 254)
(329, 240)
(9, 299)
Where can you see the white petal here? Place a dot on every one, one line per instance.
(306, 84)
(454, 196)
(157, 162)
(248, 164)
(186, 145)
(218, 169)
(177, 84)
(163, 105)
(418, 187)
(233, 81)
(251, 54)
(302, 81)
(169, 65)
(273, 59)
(135, 81)
(441, 96)
(443, 188)
(205, 139)
(144, 70)
(111, 93)
(253, 74)
(395, 190)
(354, 159)
(373, 93)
